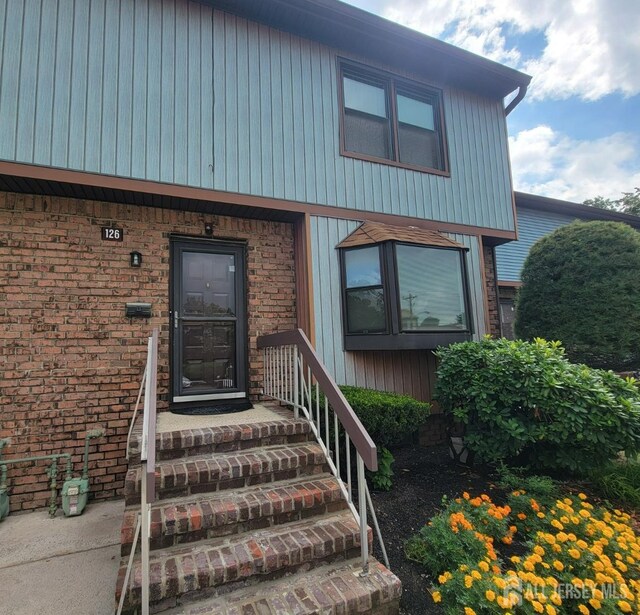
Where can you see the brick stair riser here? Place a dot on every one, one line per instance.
(377, 594)
(173, 525)
(191, 478)
(189, 443)
(229, 447)
(223, 570)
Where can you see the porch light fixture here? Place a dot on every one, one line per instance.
(135, 259)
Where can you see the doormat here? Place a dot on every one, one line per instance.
(228, 408)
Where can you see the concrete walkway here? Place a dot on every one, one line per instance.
(61, 566)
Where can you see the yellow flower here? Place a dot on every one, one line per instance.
(582, 496)
(476, 575)
(468, 581)
(583, 609)
(625, 607)
(483, 566)
(595, 603)
(574, 553)
(538, 549)
(437, 596)
(558, 565)
(537, 607)
(550, 610)
(469, 611)
(490, 595)
(585, 514)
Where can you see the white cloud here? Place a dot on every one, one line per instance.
(551, 164)
(592, 47)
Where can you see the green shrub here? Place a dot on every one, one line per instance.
(527, 404)
(618, 481)
(382, 478)
(581, 285)
(388, 417)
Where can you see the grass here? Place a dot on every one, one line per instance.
(618, 481)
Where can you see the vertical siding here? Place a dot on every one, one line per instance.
(174, 91)
(408, 371)
(532, 225)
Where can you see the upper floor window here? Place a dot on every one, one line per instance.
(391, 120)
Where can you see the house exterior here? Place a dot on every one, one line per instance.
(538, 216)
(214, 163)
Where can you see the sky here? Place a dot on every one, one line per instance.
(576, 135)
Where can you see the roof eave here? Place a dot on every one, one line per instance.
(543, 203)
(348, 28)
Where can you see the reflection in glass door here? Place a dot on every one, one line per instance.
(208, 319)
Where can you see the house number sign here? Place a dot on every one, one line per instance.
(112, 233)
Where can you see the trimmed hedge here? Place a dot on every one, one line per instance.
(388, 417)
(525, 403)
(581, 285)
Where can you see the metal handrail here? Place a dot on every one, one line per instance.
(135, 410)
(286, 380)
(350, 422)
(148, 470)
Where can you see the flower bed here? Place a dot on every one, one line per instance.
(573, 557)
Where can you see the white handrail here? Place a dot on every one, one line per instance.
(293, 375)
(148, 463)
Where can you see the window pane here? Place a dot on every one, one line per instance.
(418, 140)
(419, 147)
(366, 121)
(208, 284)
(208, 357)
(415, 112)
(366, 311)
(366, 98)
(431, 289)
(362, 267)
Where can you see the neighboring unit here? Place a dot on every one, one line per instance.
(538, 216)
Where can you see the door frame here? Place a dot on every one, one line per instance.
(178, 243)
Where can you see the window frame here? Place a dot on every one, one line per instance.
(394, 338)
(392, 83)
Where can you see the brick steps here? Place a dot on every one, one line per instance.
(208, 440)
(193, 475)
(233, 512)
(213, 567)
(330, 590)
(248, 521)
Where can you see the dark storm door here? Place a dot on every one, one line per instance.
(208, 318)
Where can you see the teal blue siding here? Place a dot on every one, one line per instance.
(532, 225)
(172, 91)
(326, 234)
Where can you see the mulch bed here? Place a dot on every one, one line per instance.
(421, 477)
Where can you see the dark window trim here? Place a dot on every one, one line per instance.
(394, 338)
(362, 71)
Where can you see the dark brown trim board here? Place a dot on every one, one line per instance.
(303, 288)
(116, 187)
(509, 284)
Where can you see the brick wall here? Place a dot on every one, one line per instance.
(493, 326)
(71, 360)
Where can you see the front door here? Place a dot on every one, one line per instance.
(208, 316)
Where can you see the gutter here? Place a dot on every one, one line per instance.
(522, 90)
